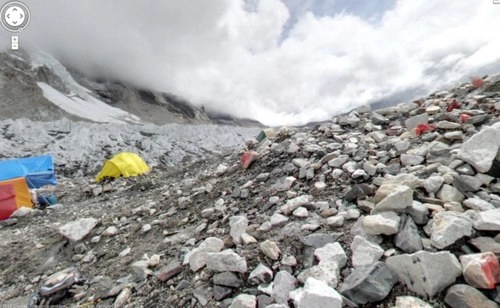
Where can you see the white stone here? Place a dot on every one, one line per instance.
(226, 261)
(244, 301)
(238, 225)
(410, 302)
(478, 204)
(365, 252)
(335, 221)
(411, 160)
(79, 229)
(400, 198)
(384, 223)
(481, 149)
(317, 293)
(433, 183)
(448, 227)
(125, 252)
(196, 258)
(450, 193)
(270, 249)
(278, 220)
(248, 239)
(294, 203)
(328, 272)
(488, 220)
(300, 212)
(332, 252)
(283, 283)
(146, 228)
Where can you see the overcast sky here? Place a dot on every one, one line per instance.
(280, 62)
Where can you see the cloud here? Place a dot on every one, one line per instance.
(245, 58)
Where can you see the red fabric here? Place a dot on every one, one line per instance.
(477, 82)
(464, 117)
(424, 128)
(453, 104)
(247, 158)
(7, 201)
(491, 270)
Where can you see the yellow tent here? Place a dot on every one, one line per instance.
(124, 164)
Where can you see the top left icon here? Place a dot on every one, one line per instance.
(15, 16)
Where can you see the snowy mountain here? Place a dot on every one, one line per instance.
(40, 88)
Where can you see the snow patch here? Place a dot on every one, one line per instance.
(89, 108)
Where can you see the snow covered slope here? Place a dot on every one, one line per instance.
(39, 87)
(90, 108)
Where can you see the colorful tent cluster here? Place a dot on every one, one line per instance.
(123, 165)
(17, 175)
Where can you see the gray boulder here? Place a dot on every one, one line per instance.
(424, 272)
(368, 284)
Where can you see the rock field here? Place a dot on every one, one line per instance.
(397, 207)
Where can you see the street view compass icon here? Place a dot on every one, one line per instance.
(14, 16)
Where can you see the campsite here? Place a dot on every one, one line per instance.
(250, 224)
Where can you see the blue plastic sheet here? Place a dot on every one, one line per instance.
(38, 171)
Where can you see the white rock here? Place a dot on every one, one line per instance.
(384, 223)
(270, 249)
(79, 229)
(433, 183)
(335, 221)
(450, 193)
(400, 198)
(339, 161)
(359, 174)
(332, 252)
(221, 169)
(261, 274)
(244, 301)
(488, 220)
(226, 261)
(146, 228)
(410, 302)
(294, 203)
(478, 204)
(300, 212)
(196, 258)
(238, 225)
(278, 220)
(328, 272)
(21, 212)
(248, 239)
(283, 283)
(352, 214)
(481, 149)
(365, 252)
(317, 293)
(320, 185)
(448, 227)
(125, 252)
(411, 160)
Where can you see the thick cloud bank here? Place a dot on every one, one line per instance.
(246, 58)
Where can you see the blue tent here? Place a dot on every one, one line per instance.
(38, 171)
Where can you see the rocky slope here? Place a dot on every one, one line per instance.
(394, 208)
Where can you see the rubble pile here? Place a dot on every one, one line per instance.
(397, 207)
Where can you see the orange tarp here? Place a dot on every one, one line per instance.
(21, 192)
